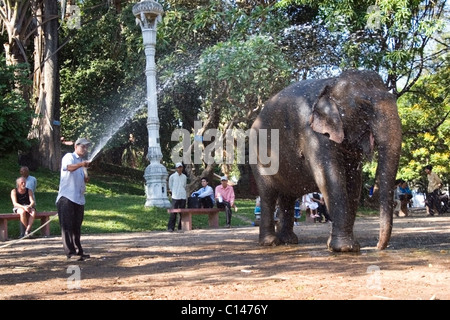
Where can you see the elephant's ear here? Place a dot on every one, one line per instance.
(325, 117)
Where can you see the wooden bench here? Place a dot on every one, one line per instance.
(186, 216)
(4, 218)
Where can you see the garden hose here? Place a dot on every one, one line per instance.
(30, 234)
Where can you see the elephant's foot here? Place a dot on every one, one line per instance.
(269, 240)
(382, 245)
(288, 237)
(343, 244)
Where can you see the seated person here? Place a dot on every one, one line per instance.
(258, 208)
(225, 198)
(297, 212)
(311, 205)
(23, 204)
(322, 209)
(398, 197)
(404, 197)
(205, 194)
(404, 192)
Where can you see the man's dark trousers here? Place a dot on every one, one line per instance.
(228, 212)
(71, 217)
(176, 204)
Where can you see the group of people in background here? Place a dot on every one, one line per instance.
(223, 196)
(403, 195)
(314, 202)
(317, 208)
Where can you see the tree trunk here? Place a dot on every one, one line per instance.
(46, 128)
(15, 49)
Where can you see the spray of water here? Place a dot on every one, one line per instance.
(120, 120)
(112, 129)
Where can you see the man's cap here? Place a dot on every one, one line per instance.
(82, 141)
(224, 178)
(178, 164)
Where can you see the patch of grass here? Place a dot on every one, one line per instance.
(364, 212)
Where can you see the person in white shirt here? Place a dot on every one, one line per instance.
(205, 194)
(307, 199)
(177, 185)
(70, 200)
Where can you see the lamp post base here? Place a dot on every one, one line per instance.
(156, 186)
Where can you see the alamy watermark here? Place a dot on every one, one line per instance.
(74, 280)
(73, 16)
(374, 279)
(374, 17)
(227, 147)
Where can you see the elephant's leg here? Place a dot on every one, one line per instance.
(286, 228)
(267, 236)
(342, 238)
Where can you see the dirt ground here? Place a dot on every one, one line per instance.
(224, 264)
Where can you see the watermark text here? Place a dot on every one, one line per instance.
(229, 147)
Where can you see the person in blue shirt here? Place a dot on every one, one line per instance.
(205, 194)
(404, 196)
(404, 190)
(297, 212)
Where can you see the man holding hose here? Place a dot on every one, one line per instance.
(70, 201)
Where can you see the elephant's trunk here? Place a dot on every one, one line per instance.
(386, 183)
(387, 133)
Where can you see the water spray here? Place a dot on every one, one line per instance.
(113, 128)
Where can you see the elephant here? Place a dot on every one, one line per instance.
(326, 128)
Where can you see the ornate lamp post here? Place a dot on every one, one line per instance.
(148, 14)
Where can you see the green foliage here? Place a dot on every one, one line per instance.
(388, 36)
(101, 64)
(425, 114)
(15, 115)
(188, 29)
(238, 76)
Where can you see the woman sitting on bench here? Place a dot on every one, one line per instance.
(23, 204)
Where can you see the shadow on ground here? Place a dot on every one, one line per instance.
(229, 264)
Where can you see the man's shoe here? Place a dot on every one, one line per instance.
(72, 257)
(84, 256)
